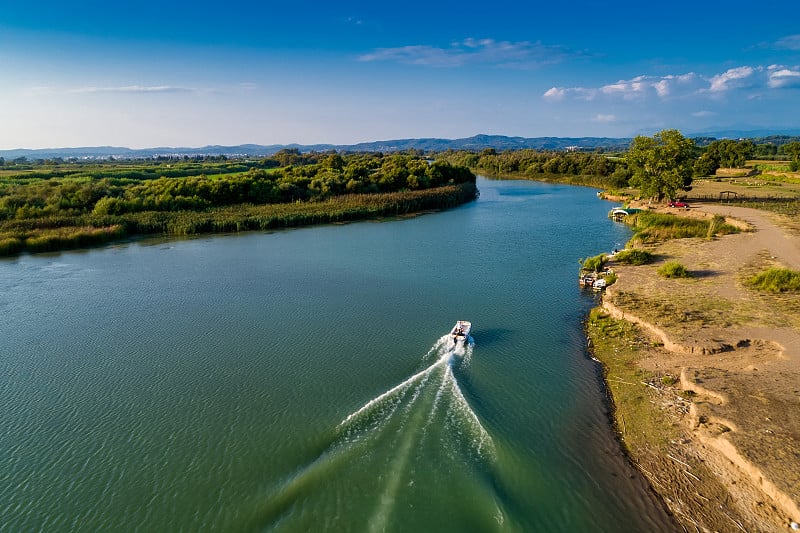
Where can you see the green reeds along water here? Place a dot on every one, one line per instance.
(64, 231)
(302, 380)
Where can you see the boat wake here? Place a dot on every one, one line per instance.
(446, 356)
(427, 413)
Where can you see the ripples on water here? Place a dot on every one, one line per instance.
(288, 382)
(426, 410)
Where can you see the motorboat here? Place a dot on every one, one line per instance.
(461, 331)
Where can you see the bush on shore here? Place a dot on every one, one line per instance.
(634, 256)
(776, 280)
(673, 269)
(595, 264)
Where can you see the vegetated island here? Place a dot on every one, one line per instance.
(55, 205)
(699, 334)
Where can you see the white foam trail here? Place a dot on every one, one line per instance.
(382, 410)
(417, 392)
(436, 348)
(438, 397)
(401, 387)
(468, 345)
(463, 406)
(381, 517)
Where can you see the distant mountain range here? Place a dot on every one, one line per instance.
(477, 142)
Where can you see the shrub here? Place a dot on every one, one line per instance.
(776, 280)
(668, 380)
(634, 256)
(108, 206)
(673, 269)
(594, 263)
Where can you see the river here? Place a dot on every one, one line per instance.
(301, 380)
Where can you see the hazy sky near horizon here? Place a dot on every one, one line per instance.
(146, 74)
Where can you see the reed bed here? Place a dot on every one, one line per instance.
(58, 232)
(658, 227)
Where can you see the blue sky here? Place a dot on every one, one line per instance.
(167, 73)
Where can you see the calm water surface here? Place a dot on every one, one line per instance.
(300, 380)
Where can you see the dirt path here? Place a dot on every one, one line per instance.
(738, 351)
(783, 243)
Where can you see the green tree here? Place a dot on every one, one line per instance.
(766, 150)
(333, 161)
(706, 165)
(661, 165)
(792, 149)
(725, 153)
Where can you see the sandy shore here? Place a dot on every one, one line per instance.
(735, 356)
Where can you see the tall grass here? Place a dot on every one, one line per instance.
(65, 238)
(57, 232)
(658, 227)
(10, 246)
(776, 280)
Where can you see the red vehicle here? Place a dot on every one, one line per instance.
(677, 203)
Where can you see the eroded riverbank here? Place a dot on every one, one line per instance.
(704, 373)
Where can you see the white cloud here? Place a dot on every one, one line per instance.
(136, 89)
(604, 118)
(747, 81)
(703, 114)
(784, 79)
(790, 42)
(637, 88)
(730, 78)
(662, 88)
(616, 88)
(554, 93)
(523, 54)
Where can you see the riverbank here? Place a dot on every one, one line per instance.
(703, 373)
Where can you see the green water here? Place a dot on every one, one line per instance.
(300, 380)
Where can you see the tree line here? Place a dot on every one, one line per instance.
(596, 168)
(287, 177)
(659, 166)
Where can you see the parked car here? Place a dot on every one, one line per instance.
(677, 203)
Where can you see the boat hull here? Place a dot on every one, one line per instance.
(461, 331)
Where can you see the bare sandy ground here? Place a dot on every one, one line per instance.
(736, 355)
